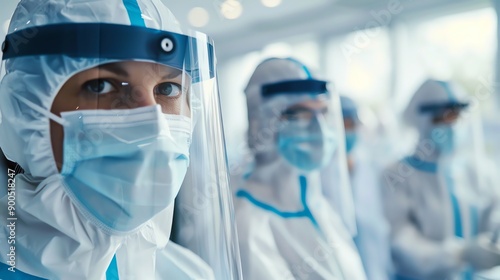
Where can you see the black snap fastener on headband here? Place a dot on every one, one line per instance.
(4, 46)
(167, 45)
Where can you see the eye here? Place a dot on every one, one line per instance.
(98, 86)
(298, 115)
(168, 89)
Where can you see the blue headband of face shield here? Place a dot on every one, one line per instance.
(112, 41)
(436, 108)
(308, 86)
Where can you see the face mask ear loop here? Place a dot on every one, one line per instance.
(42, 111)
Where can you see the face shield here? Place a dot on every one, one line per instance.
(434, 100)
(305, 138)
(335, 176)
(448, 131)
(309, 135)
(126, 116)
(436, 111)
(451, 146)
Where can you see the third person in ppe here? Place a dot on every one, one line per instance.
(372, 235)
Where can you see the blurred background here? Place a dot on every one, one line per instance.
(376, 51)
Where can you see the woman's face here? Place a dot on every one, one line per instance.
(121, 85)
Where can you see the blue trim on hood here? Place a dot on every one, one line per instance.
(134, 12)
(424, 166)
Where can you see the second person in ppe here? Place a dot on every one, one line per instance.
(286, 228)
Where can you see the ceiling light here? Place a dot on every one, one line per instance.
(231, 9)
(198, 17)
(270, 3)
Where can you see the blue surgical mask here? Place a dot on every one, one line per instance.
(307, 148)
(350, 140)
(122, 167)
(444, 138)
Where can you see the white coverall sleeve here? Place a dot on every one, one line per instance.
(413, 253)
(373, 245)
(372, 239)
(260, 256)
(490, 181)
(259, 262)
(176, 262)
(491, 219)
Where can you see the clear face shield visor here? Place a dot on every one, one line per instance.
(305, 137)
(310, 136)
(134, 119)
(463, 165)
(449, 124)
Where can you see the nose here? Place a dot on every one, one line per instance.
(141, 96)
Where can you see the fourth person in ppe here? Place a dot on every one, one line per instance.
(441, 201)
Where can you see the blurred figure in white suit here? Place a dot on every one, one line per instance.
(286, 227)
(440, 201)
(372, 237)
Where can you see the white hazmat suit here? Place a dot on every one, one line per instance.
(372, 236)
(103, 209)
(286, 228)
(438, 200)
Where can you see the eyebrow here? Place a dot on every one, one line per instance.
(295, 110)
(118, 69)
(115, 68)
(302, 108)
(173, 73)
